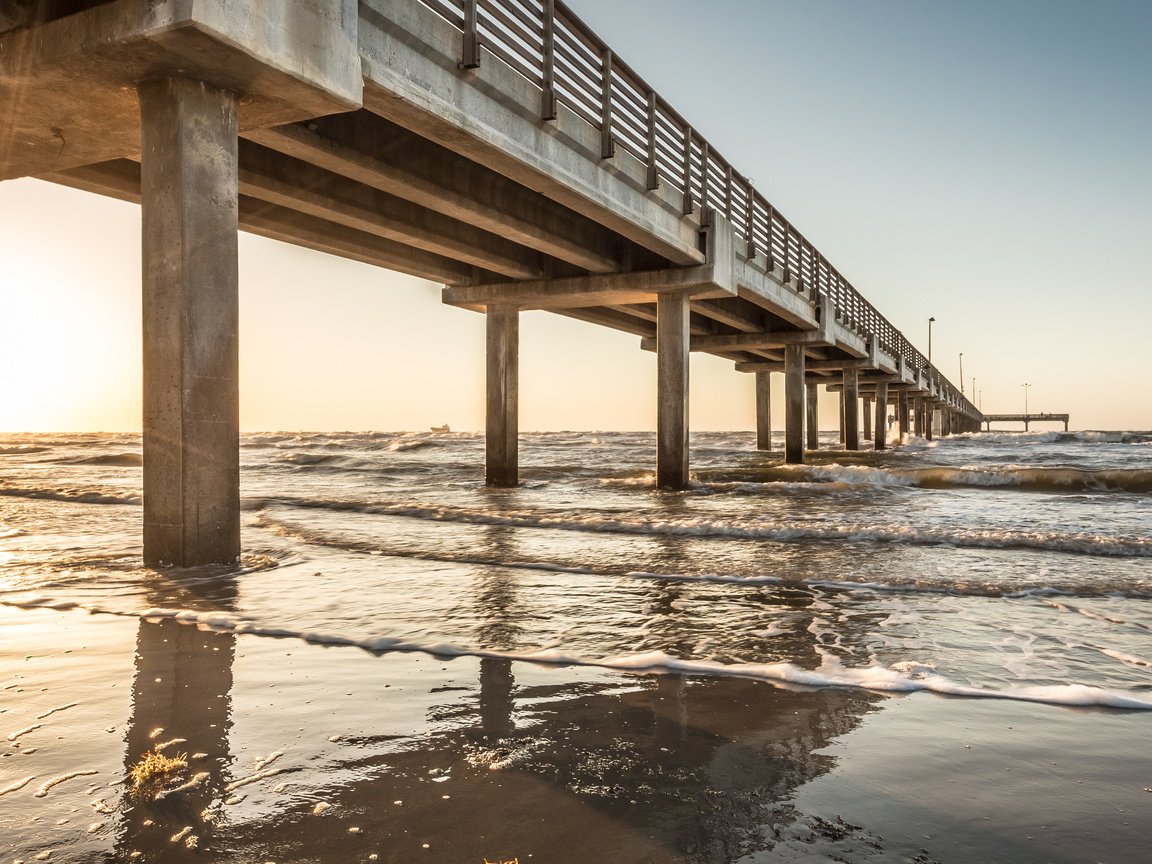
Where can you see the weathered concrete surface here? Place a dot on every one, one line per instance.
(880, 441)
(491, 115)
(867, 422)
(812, 419)
(191, 320)
(68, 86)
(672, 391)
(763, 411)
(794, 404)
(502, 429)
(851, 399)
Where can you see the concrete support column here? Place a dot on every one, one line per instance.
(851, 394)
(881, 442)
(763, 411)
(842, 404)
(794, 404)
(502, 418)
(929, 419)
(867, 418)
(672, 317)
(918, 416)
(812, 424)
(903, 414)
(190, 304)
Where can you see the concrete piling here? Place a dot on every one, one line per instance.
(881, 442)
(190, 302)
(672, 345)
(763, 411)
(794, 404)
(851, 398)
(502, 430)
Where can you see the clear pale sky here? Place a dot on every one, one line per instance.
(986, 163)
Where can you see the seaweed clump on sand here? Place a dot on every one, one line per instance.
(153, 770)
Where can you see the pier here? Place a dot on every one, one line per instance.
(497, 147)
(989, 419)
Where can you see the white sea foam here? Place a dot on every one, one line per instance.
(905, 676)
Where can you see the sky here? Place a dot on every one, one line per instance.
(983, 163)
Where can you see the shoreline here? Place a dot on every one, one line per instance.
(497, 759)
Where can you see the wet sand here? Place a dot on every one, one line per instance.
(302, 753)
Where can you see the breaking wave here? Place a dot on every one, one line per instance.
(1083, 542)
(900, 677)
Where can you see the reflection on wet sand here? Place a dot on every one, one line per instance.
(181, 709)
(623, 768)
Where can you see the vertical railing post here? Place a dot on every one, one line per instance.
(607, 142)
(748, 214)
(771, 236)
(705, 156)
(689, 204)
(728, 196)
(471, 53)
(548, 72)
(653, 176)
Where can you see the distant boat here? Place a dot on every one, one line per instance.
(443, 428)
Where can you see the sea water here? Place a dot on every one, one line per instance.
(986, 566)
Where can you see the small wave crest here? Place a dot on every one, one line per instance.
(74, 496)
(902, 677)
(125, 460)
(1083, 543)
(1022, 477)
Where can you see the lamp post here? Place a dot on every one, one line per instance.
(961, 373)
(1025, 386)
(930, 320)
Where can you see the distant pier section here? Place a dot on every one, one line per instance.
(989, 419)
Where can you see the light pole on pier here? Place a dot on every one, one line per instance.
(930, 320)
(1025, 386)
(961, 373)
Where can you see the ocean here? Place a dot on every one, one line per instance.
(935, 653)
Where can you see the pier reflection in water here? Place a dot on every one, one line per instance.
(495, 759)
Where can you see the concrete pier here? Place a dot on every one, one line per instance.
(850, 400)
(502, 430)
(763, 411)
(672, 313)
(383, 133)
(812, 416)
(188, 191)
(881, 432)
(794, 391)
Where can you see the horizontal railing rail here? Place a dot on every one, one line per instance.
(544, 41)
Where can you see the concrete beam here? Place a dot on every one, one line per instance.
(68, 86)
(613, 289)
(502, 430)
(372, 151)
(191, 324)
(120, 178)
(282, 180)
(672, 391)
(794, 404)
